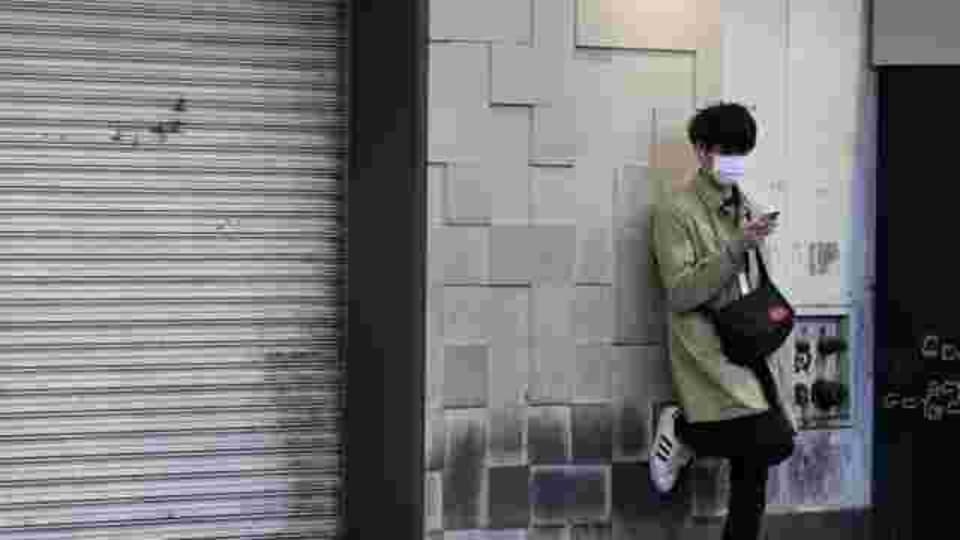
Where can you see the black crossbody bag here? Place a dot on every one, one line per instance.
(754, 326)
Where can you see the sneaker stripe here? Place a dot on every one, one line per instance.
(668, 454)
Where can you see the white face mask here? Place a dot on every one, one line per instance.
(729, 169)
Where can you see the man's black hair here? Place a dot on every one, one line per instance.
(727, 125)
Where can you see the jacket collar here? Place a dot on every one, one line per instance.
(712, 193)
(716, 197)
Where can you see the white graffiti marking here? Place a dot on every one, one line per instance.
(942, 398)
(933, 347)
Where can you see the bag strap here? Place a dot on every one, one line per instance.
(738, 206)
(764, 276)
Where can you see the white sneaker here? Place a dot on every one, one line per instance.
(668, 456)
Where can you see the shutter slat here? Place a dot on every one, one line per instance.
(82, 404)
(193, 117)
(189, 334)
(298, 527)
(78, 22)
(157, 223)
(157, 489)
(267, 356)
(291, 55)
(48, 270)
(311, 291)
(146, 182)
(125, 424)
(184, 200)
(207, 507)
(234, 10)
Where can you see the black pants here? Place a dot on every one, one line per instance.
(752, 444)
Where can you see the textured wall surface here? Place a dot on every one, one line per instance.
(552, 132)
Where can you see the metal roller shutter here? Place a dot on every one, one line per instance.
(170, 268)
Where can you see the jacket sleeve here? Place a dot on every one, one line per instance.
(690, 282)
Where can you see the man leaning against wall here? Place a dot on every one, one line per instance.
(706, 240)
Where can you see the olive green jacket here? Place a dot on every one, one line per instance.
(699, 252)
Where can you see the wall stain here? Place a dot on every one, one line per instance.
(306, 395)
(160, 129)
(464, 473)
(816, 470)
(821, 256)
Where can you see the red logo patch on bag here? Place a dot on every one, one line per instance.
(779, 314)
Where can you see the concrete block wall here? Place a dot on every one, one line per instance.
(554, 126)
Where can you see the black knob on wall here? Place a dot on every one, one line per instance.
(831, 345)
(801, 394)
(828, 394)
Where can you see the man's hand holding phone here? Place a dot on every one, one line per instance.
(761, 227)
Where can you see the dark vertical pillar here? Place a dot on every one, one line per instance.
(386, 215)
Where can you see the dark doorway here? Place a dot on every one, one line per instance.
(917, 328)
